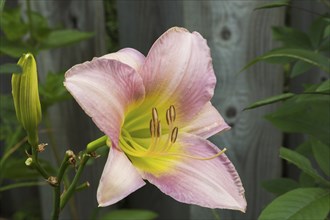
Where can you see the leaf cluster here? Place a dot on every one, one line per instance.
(306, 113)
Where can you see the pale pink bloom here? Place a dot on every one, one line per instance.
(157, 113)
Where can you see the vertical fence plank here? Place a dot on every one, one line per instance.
(236, 35)
(71, 128)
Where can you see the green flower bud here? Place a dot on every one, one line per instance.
(26, 96)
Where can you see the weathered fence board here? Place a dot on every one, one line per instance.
(236, 35)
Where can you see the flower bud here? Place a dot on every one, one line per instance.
(26, 96)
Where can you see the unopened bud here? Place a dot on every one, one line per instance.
(29, 161)
(72, 157)
(26, 96)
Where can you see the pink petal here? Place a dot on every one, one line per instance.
(119, 179)
(206, 123)
(129, 56)
(105, 89)
(209, 183)
(178, 70)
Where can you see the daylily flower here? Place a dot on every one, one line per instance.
(157, 113)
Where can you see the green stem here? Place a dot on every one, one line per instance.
(54, 147)
(57, 187)
(67, 195)
(35, 160)
(94, 145)
(82, 186)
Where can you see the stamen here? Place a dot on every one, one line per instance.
(196, 158)
(174, 134)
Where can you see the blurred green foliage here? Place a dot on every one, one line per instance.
(306, 113)
(22, 32)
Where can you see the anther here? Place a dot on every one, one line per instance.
(174, 134)
(152, 128)
(154, 115)
(172, 113)
(159, 129)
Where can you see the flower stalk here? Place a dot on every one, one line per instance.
(69, 155)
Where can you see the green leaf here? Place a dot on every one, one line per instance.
(321, 153)
(317, 30)
(13, 49)
(2, 4)
(130, 214)
(326, 31)
(306, 180)
(299, 204)
(276, 4)
(308, 114)
(307, 56)
(10, 68)
(53, 90)
(270, 100)
(60, 38)
(292, 38)
(302, 163)
(16, 169)
(280, 186)
(40, 26)
(12, 25)
(300, 67)
(324, 87)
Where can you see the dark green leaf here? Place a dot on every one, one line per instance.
(279, 186)
(12, 25)
(13, 49)
(308, 114)
(292, 38)
(324, 87)
(302, 163)
(307, 56)
(316, 31)
(270, 100)
(276, 4)
(40, 26)
(16, 169)
(53, 90)
(325, 45)
(129, 214)
(299, 204)
(305, 148)
(60, 38)
(326, 32)
(2, 4)
(10, 68)
(306, 180)
(300, 67)
(321, 153)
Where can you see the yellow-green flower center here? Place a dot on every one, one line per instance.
(154, 150)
